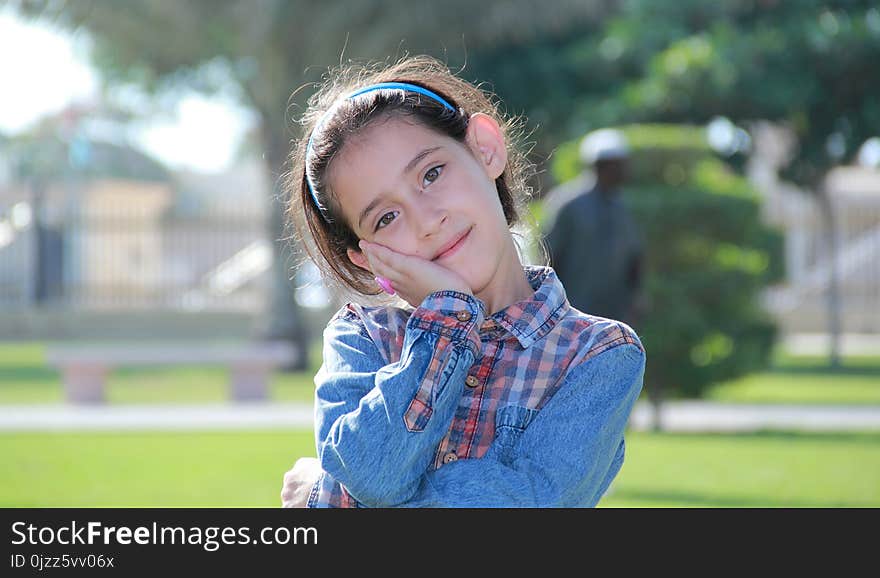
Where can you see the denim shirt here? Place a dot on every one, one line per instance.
(442, 406)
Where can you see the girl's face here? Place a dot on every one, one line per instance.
(416, 191)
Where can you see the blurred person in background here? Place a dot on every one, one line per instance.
(595, 245)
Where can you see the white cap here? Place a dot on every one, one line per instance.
(604, 144)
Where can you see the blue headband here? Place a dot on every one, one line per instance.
(372, 88)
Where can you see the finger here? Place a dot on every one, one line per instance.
(382, 261)
(367, 252)
(399, 262)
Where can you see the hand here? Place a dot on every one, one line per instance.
(298, 483)
(413, 278)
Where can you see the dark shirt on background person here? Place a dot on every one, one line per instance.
(595, 245)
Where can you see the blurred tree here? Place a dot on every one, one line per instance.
(790, 62)
(809, 65)
(268, 48)
(650, 60)
(708, 256)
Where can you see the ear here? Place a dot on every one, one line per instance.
(487, 143)
(358, 259)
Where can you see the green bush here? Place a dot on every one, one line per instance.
(707, 258)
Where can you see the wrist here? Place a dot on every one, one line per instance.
(454, 314)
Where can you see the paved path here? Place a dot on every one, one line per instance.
(676, 416)
(57, 417)
(717, 417)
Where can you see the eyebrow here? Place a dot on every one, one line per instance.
(409, 166)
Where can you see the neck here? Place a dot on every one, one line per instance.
(606, 189)
(509, 285)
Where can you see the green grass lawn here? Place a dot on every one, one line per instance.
(761, 470)
(25, 378)
(148, 469)
(808, 380)
(207, 469)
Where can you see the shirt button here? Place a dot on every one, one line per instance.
(463, 315)
(449, 458)
(472, 381)
(488, 325)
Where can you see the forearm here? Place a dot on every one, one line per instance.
(379, 450)
(380, 446)
(486, 483)
(566, 457)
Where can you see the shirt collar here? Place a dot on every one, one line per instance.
(530, 319)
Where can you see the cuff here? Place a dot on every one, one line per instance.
(312, 502)
(453, 314)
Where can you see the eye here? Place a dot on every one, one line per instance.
(432, 175)
(383, 221)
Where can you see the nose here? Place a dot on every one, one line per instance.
(430, 216)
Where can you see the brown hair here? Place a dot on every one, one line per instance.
(323, 232)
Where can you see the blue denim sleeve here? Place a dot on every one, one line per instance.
(566, 457)
(376, 424)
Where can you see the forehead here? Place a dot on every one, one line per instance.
(372, 161)
(382, 145)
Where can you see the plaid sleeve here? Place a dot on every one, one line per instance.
(454, 317)
(377, 423)
(328, 493)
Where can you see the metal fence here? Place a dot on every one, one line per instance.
(801, 303)
(129, 258)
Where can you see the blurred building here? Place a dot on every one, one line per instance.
(94, 233)
(109, 264)
(88, 244)
(800, 303)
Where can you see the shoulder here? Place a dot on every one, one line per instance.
(610, 360)
(593, 337)
(385, 326)
(567, 195)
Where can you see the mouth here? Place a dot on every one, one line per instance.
(451, 250)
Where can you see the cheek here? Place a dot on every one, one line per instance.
(399, 240)
(493, 212)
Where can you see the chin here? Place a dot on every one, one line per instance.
(475, 268)
(477, 279)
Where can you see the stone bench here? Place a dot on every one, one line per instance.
(84, 368)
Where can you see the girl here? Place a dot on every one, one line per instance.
(480, 386)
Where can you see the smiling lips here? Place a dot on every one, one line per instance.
(451, 249)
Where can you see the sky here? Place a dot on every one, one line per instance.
(44, 69)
